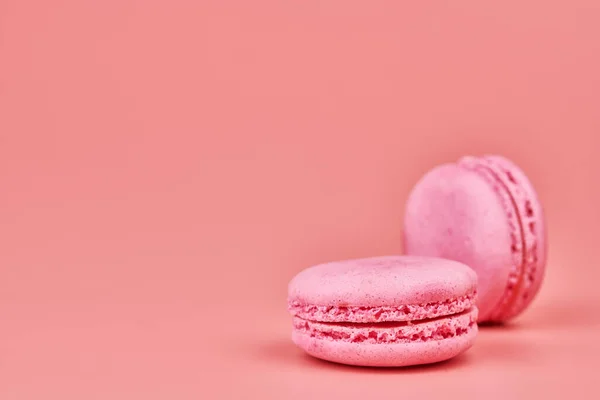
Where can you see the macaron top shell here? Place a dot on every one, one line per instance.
(382, 281)
(452, 213)
(484, 212)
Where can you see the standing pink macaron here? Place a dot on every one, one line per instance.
(384, 311)
(485, 213)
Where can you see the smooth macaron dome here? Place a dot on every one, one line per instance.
(384, 311)
(484, 212)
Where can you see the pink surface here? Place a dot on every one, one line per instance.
(166, 164)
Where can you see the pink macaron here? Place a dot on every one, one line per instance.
(385, 311)
(485, 213)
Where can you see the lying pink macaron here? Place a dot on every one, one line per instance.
(384, 311)
(485, 213)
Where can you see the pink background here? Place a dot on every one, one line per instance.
(167, 166)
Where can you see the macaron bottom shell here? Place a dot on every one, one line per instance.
(388, 344)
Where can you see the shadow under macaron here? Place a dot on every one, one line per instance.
(284, 352)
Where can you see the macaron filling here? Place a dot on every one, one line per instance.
(361, 314)
(387, 324)
(519, 287)
(391, 332)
